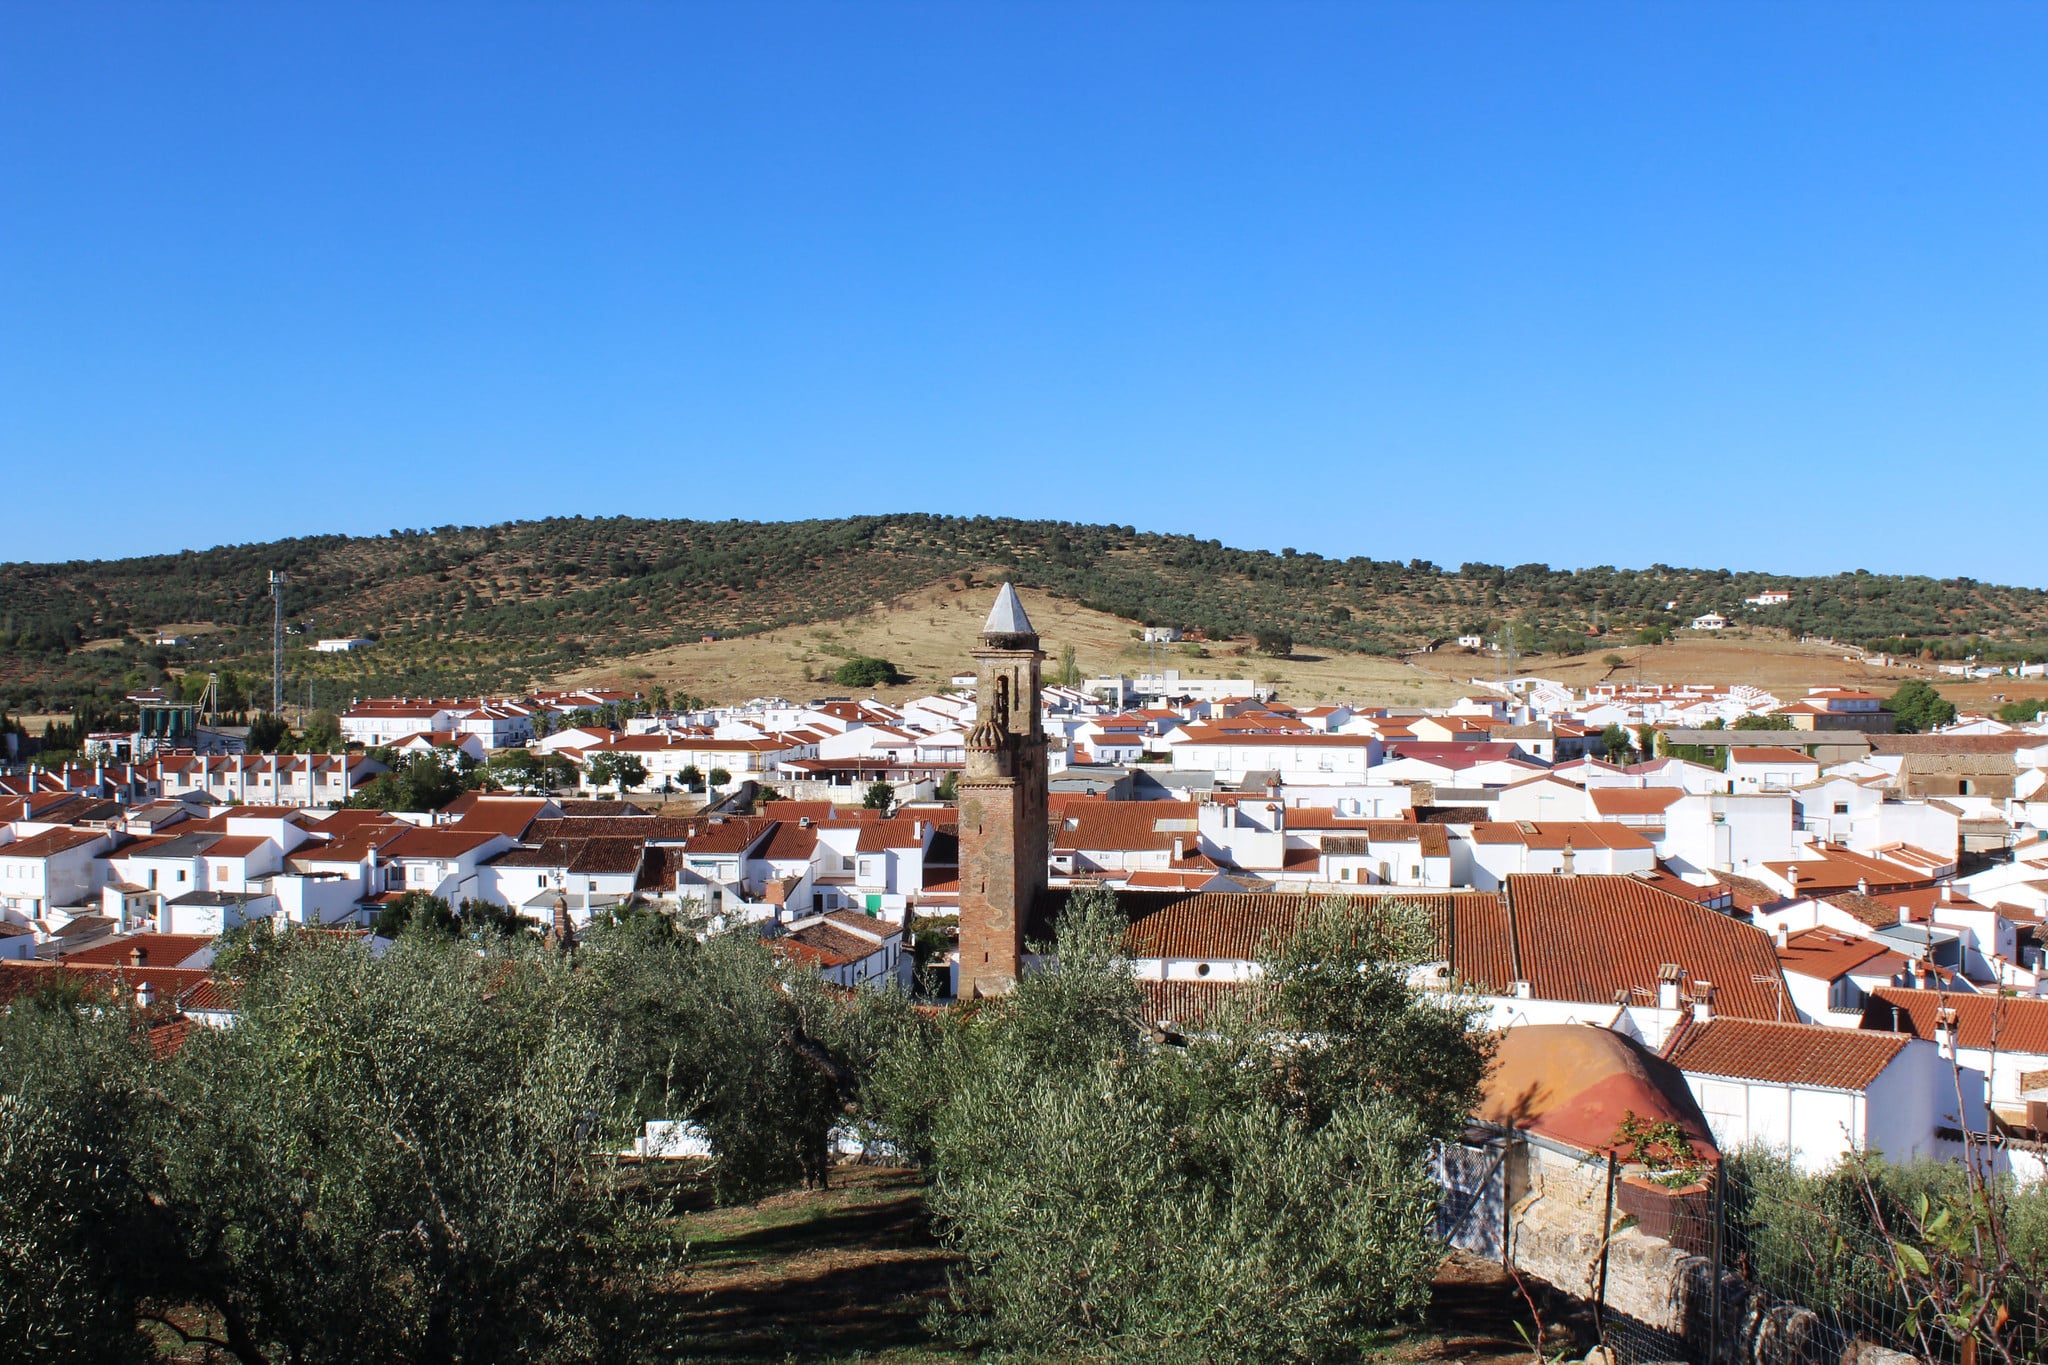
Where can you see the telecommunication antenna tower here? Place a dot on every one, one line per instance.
(278, 579)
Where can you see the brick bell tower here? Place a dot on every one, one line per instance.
(1002, 803)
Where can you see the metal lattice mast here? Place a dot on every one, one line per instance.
(277, 582)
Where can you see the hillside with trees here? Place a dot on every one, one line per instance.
(458, 608)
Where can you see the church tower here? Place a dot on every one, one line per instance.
(1002, 803)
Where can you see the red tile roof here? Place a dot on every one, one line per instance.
(1593, 939)
(1785, 1053)
(2011, 1023)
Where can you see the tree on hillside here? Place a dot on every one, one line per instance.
(1274, 641)
(865, 671)
(1917, 708)
(1069, 672)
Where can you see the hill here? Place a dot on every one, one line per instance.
(465, 607)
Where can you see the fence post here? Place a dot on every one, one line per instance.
(1714, 1269)
(1606, 1240)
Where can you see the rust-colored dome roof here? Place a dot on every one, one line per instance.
(1574, 1083)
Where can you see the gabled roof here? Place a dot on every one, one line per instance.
(446, 842)
(1784, 1053)
(1829, 954)
(50, 843)
(2012, 1023)
(1433, 840)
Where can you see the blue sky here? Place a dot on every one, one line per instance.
(1730, 285)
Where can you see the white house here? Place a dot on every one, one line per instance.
(1821, 1093)
(1713, 620)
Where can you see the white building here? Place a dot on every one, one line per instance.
(1821, 1093)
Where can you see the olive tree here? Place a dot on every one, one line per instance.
(1252, 1191)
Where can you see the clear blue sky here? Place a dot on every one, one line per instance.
(1584, 284)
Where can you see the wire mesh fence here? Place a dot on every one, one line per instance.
(1784, 1267)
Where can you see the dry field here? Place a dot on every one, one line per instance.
(927, 634)
(1779, 665)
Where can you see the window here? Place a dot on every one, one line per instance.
(1343, 874)
(181, 874)
(1841, 807)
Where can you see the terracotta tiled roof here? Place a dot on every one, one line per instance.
(792, 841)
(1125, 825)
(1434, 840)
(1785, 1054)
(1549, 834)
(448, 842)
(51, 842)
(825, 944)
(1182, 1003)
(887, 834)
(1591, 939)
(2015, 1023)
(162, 950)
(1828, 954)
(1634, 800)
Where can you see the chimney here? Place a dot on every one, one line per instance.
(1703, 1002)
(138, 956)
(1945, 1032)
(1948, 893)
(145, 996)
(1668, 977)
(1784, 936)
(1792, 879)
(1905, 915)
(1180, 848)
(1522, 990)
(1863, 886)
(1570, 860)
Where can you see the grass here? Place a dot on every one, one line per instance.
(843, 1274)
(848, 1275)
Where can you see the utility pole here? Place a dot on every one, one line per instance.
(277, 582)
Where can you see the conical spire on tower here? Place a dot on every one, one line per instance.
(1007, 616)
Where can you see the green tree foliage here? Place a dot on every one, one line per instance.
(879, 796)
(1763, 723)
(2021, 712)
(421, 782)
(1274, 641)
(692, 777)
(269, 734)
(1069, 672)
(388, 1160)
(1616, 743)
(760, 1055)
(1253, 1193)
(462, 607)
(609, 767)
(1918, 708)
(718, 777)
(421, 913)
(865, 671)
